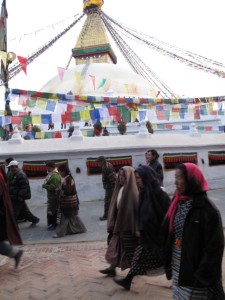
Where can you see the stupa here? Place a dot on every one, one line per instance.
(96, 72)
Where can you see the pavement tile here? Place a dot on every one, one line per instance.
(68, 268)
(48, 271)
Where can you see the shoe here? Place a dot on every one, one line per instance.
(124, 282)
(103, 218)
(17, 258)
(56, 236)
(35, 222)
(110, 272)
(51, 227)
(21, 220)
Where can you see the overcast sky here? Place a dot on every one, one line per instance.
(194, 25)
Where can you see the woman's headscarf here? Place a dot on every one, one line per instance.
(124, 218)
(195, 184)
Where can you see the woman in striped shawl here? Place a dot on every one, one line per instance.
(69, 221)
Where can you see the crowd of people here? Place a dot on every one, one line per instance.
(62, 205)
(146, 229)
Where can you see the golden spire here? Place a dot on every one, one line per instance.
(93, 43)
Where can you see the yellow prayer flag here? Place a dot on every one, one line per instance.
(38, 135)
(36, 119)
(126, 87)
(175, 115)
(78, 77)
(134, 114)
(40, 103)
(210, 106)
(191, 110)
(105, 122)
(87, 114)
(84, 115)
(175, 101)
(3, 56)
(98, 105)
(83, 98)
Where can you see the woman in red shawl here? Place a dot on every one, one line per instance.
(9, 233)
(195, 240)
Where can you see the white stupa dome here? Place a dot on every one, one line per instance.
(100, 79)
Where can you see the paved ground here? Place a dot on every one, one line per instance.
(67, 268)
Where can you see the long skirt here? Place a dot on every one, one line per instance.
(121, 250)
(70, 225)
(192, 293)
(144, 260)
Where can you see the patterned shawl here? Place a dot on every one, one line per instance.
(68, 196)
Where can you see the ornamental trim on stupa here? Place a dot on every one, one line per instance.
(93, 44)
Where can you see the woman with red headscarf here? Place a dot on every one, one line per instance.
(9, 232)
(195, 240)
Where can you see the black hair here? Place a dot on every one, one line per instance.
(101, 158)
(9, 159)
(192, 185)
(50, 164)
(183, 170)
(64, 168)
(154, 153)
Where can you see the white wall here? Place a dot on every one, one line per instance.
(77, 151)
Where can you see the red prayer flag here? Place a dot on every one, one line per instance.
(61, 72)
(112, 110)
(16, 120)
(23, 63)
(93, 80)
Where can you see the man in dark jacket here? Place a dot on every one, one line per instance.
(108, 180)
(7, 161)
(19, 191)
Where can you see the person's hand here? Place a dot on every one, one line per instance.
(168, 272)
(109, 237)
(110, 229)
(137, 233)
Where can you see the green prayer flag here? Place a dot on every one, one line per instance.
(48, 135)
(126, 116)
(26, 120)
(161, 126)
(75, 116)
(121, 109)
(167, 114)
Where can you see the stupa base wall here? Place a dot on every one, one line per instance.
(208, 151)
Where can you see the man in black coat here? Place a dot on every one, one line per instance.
(19, 191)
(108, 181)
